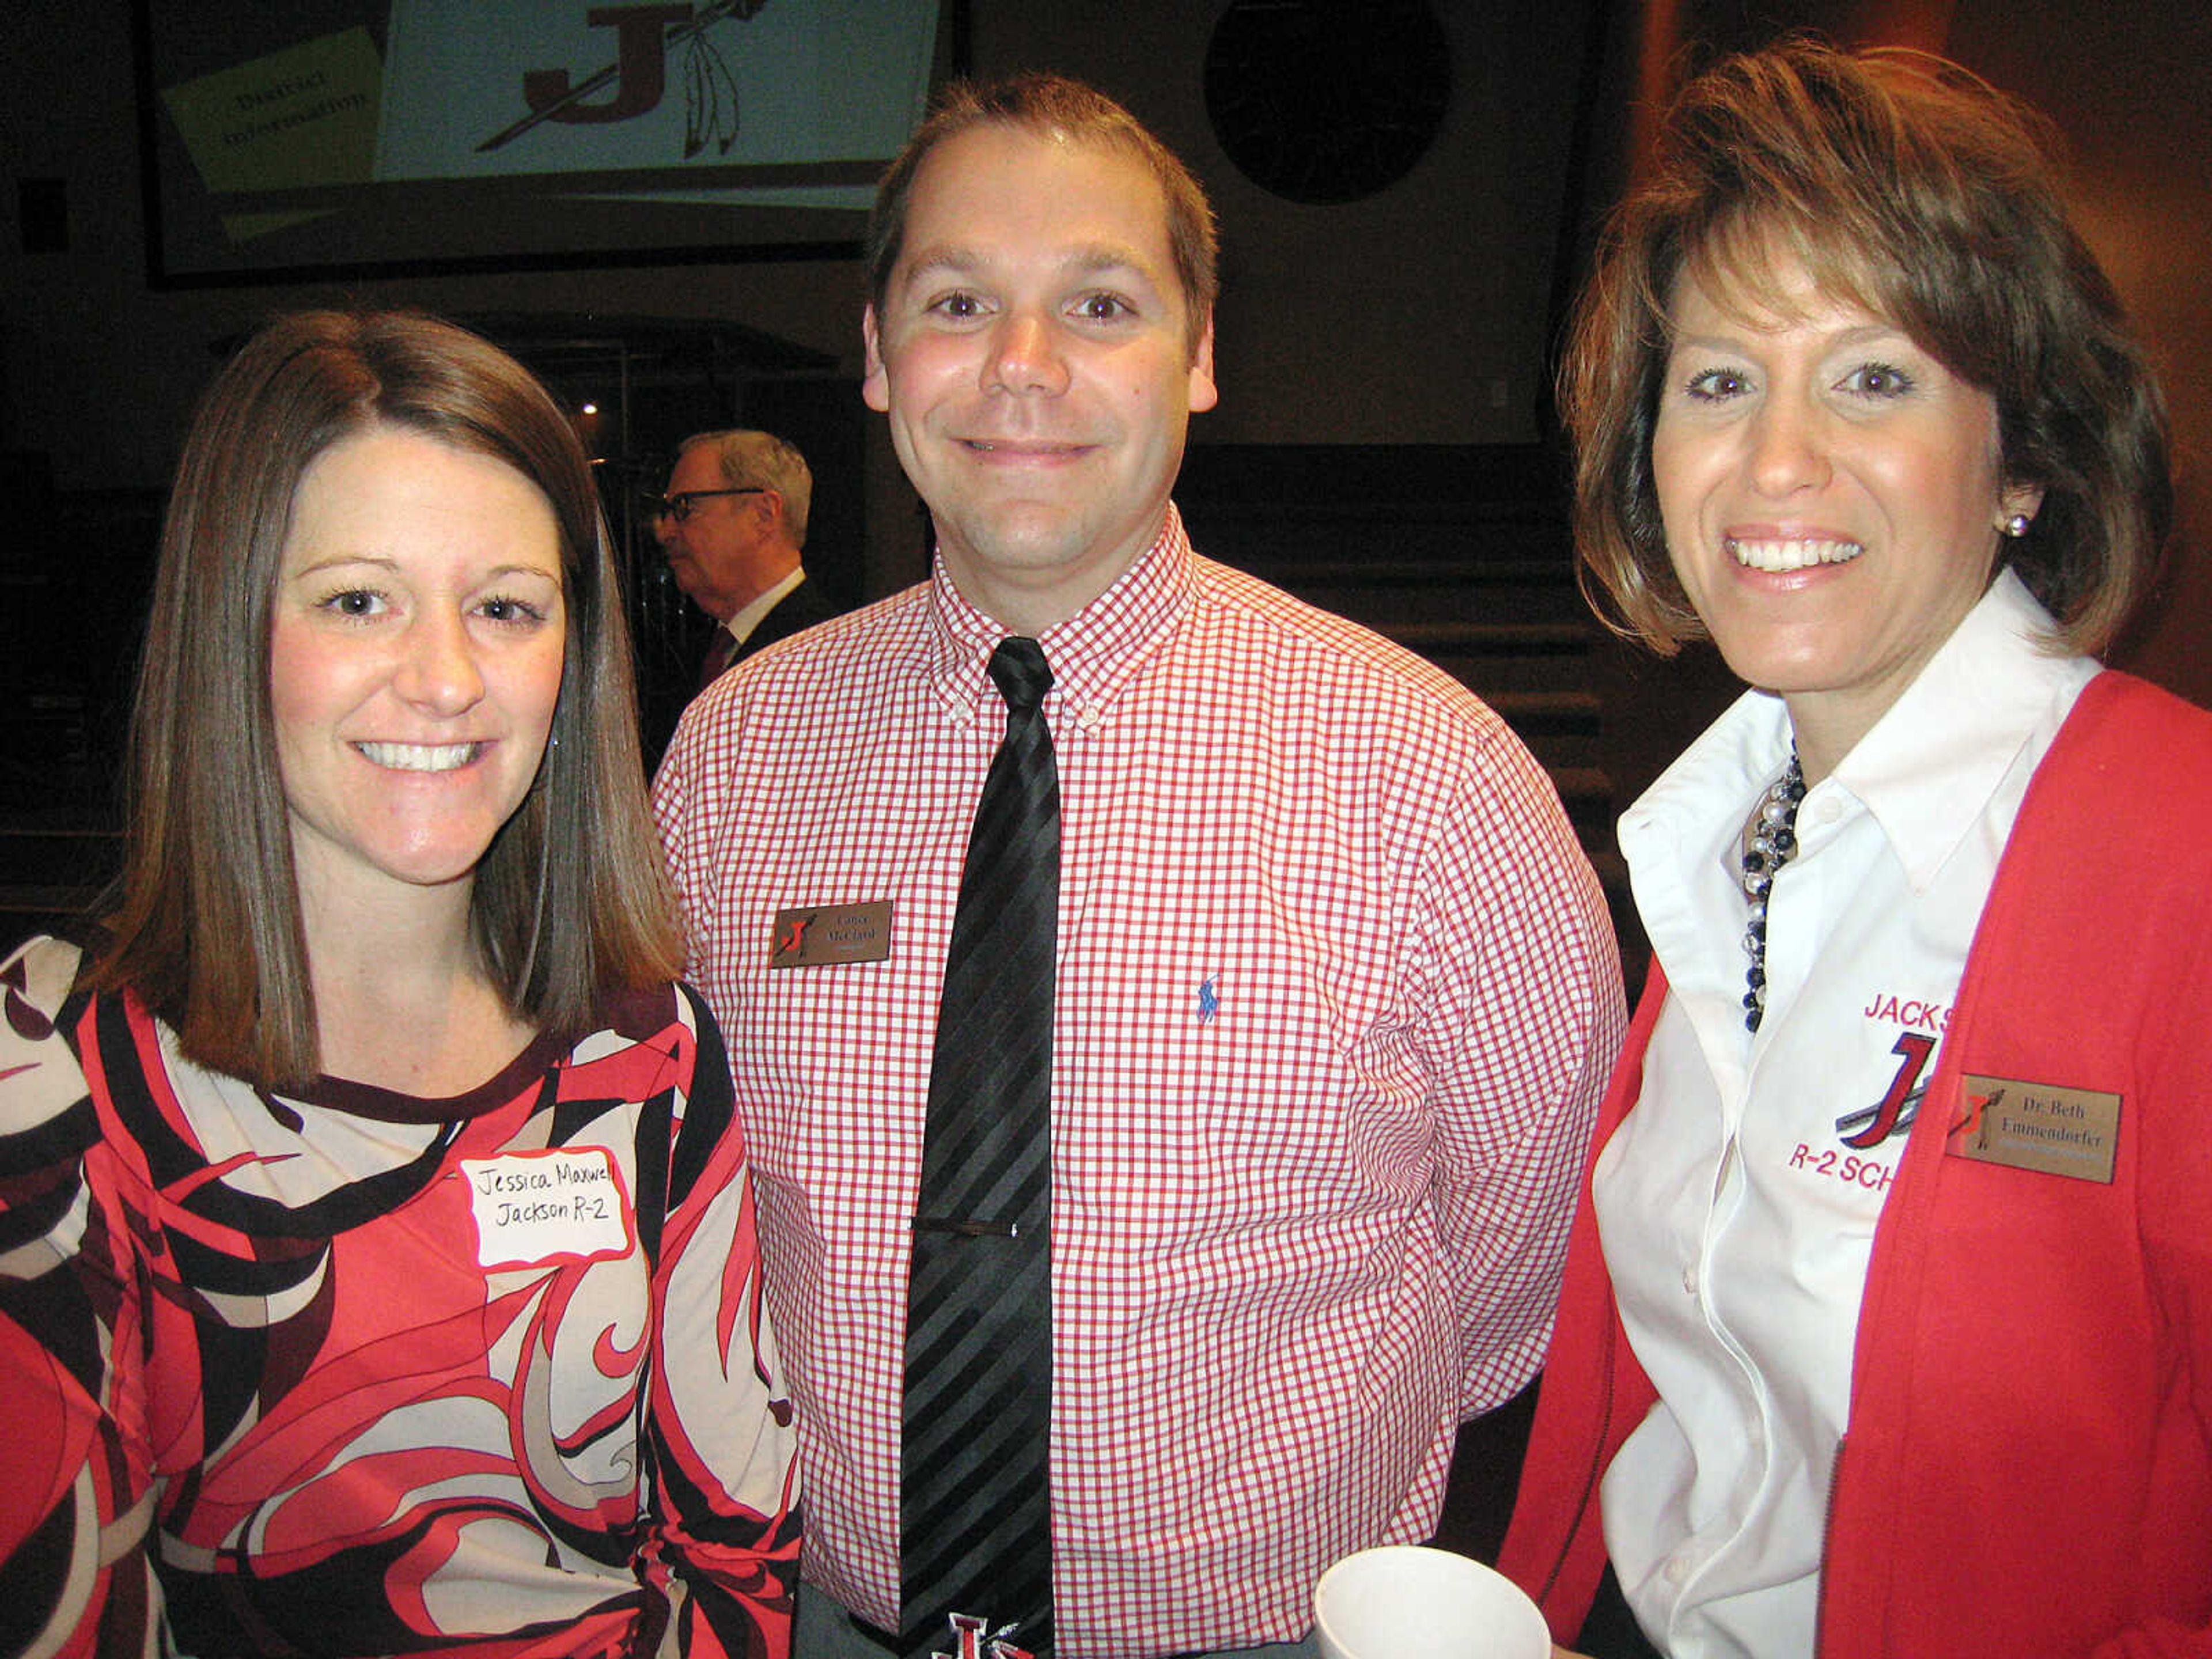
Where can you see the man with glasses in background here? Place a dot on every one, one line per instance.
(732, 526)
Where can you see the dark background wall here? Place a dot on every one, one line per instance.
(1422, 316)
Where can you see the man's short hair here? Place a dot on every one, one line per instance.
(1053, 105)
(760, 460)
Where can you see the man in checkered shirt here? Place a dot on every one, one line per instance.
(1335, 996)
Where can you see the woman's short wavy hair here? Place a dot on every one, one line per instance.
(1909, 187)
(570, 903)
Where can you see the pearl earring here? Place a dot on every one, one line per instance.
(2017, 526)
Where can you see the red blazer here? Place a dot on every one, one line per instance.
(2028, 1466)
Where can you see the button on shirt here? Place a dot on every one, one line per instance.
(1336, 998)
(1737, 1202)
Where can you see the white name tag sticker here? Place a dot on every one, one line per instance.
(539, 1209)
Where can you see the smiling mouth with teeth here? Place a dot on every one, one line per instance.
(419, 757)
(1793, 554)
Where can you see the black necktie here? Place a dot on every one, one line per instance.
(976, 1532)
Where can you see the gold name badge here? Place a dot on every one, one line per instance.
(2037, 1126)
(830, 935)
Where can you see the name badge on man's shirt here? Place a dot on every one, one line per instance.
(2037, 1126)
(561, 1205)
(830, 935)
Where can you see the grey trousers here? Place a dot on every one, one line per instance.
(824, 1631)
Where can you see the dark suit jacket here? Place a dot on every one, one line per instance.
(803, 606)
(796, 609)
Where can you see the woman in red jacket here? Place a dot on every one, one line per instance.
(1887, 1325)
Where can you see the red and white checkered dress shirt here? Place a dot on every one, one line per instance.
(1336, 997)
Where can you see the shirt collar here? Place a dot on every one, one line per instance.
(1931, 764)
(1929, 768)
(748, 616)
(1093, 654)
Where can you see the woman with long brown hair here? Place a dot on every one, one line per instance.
(377, 1270)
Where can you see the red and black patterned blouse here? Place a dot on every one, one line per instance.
(357, 1373)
